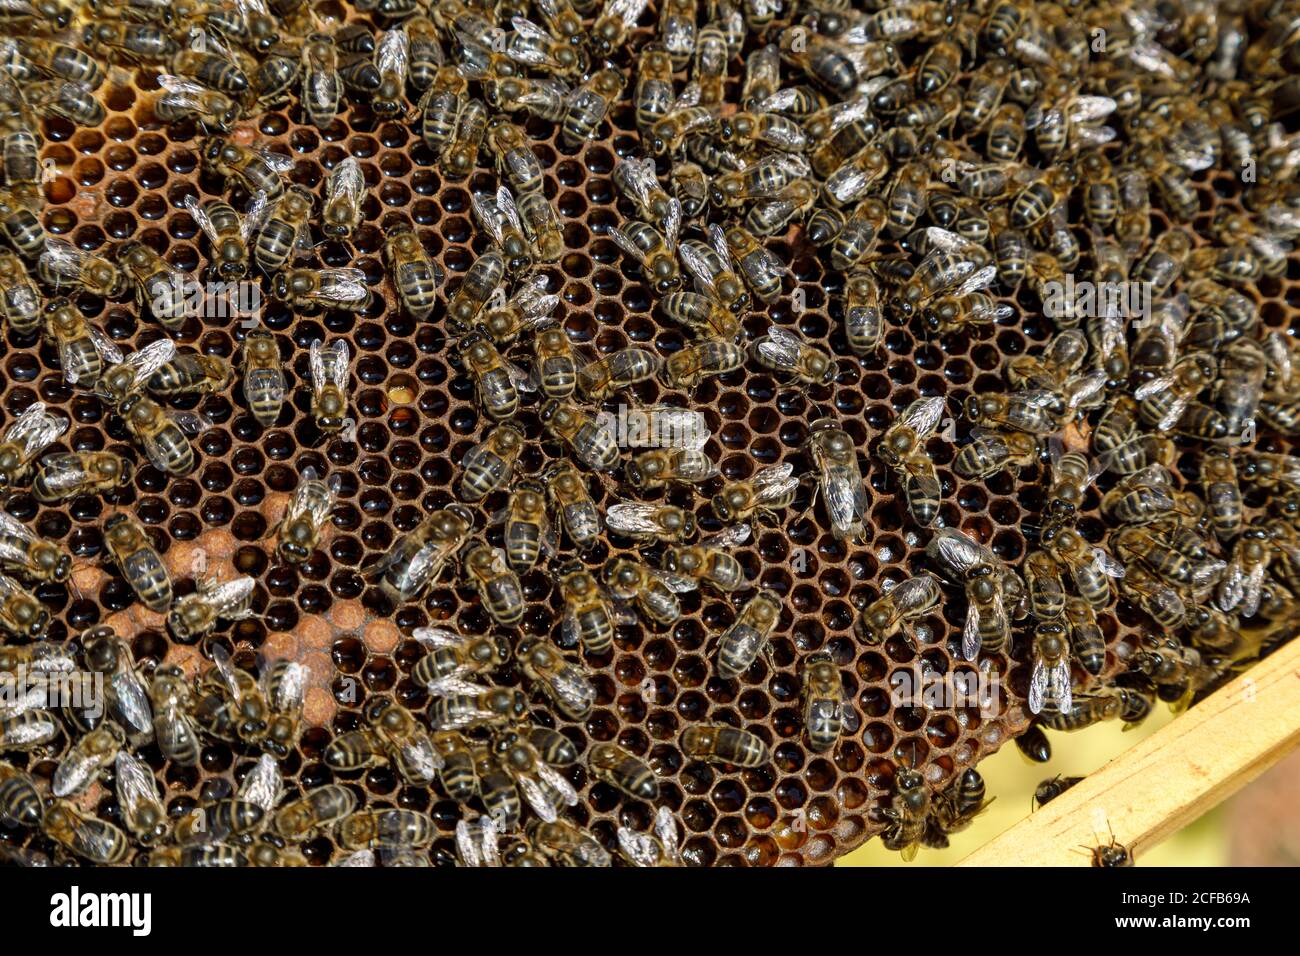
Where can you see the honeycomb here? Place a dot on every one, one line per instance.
(416, 417)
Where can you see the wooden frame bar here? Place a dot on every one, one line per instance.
(1171, 778)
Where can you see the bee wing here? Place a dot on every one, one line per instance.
(421, 758)
(922, 416)
(780, 347)
(150, 359)
(35, 428)
(200, 216)
(1153, 387)
(978, 280)
(675, 582)
(435, 637)
(698, 267)
(558, 784)
(629, 11)
(264, 785)
(1038, 682)
(534, 304)
(641, 848)
(267, 381)
(346, 182)
(183, 92)
(1106, 564)
(94, 837)
(454, 684)
(948, 241)
(489, 216)
(731, 537)
(361, 858)
(915, 593)
(1082, 389)
(506, 204)
(232, 598)
(324, 363)
(63, 471)
(572, 686)
(225, 668)
(1089, 109)
(955, 550)
(627, 245)
(774, 482)
(191, 423)
(259, 211)
(290, 692)
(538, 799)
(477, 842)
(136, 786)
(394, 52)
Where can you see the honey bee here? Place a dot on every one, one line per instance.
(515, 159)
(345, 190)
(651, 522)
(34, 557)
(490, 464)
(497, 585)
(257, 170)
(1241, 587)
(62, 266)
(263, 377)
(94, 840)
(63, 476)
(839, 479)
(991, 588)
(599, 379)
(197, 614)
(907, 601)
(653, 592)
(497, 382)
(285, 233)
(134, 553)
(953, 266)
(28, 731)
(953, 809)
(615, 20)
(137, 796)
(184, 99)
(648, 246)
(903, 448)
(749, 635)
(475, 291)
(907, 815)
(853, 179)
(721, 744)
(546, 98)
(232, 704)
(314, 811)
(392, 829)
(228, 232)
(1168, 401)
(391, 735)
(189, 374)
(568, 493)
(156, 282)
(343, 289)
(991, 452)
(522, 768)
(440, 107)
(499, 218)
(658, 468)
(566, 844)
(711, 561)
(1049, 679)
(1090, 567)
(20, 226)
(782, 350)
(772, 487)
(760, 269)
(702, 315)
(1112, 854)
(1033, 411)
(1148, 496)
(590, 102)
(417, 559)
(20, 299)
(637, 180)
(589, 618)
(589, 439)
(322, 85)
(851, 237)
(24, 439)
(458, 705)
(88, 757)
(527, 526)
(659, 848)
(454, 657)
(1049, 790)
(1218, 476)
(392, 60)
(567, 686)
(329, 369)
(174, 727)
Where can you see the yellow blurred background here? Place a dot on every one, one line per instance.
(1011, 779)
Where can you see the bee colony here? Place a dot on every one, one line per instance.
(630, 393)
